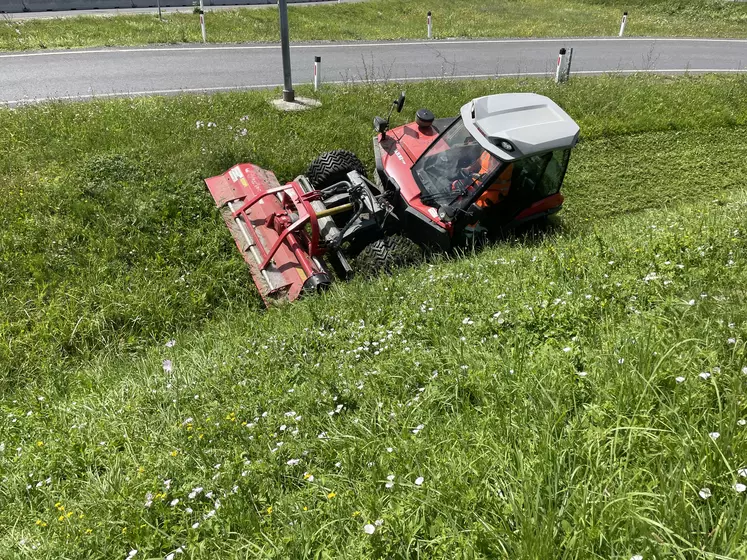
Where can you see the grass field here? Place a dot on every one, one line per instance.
(392, 19)
(539, 415)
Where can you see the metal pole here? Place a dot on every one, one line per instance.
(317, 72)
(559, 69)
(430, 26)
(202, 23)
(288, 93)
(160, 18)
(622, 25)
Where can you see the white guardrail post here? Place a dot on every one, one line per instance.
(317, 72)
(202, 23)
(430, 26)
(622, 25)
(559, 69)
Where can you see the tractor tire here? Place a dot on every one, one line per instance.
(386, 255)
(332, 167)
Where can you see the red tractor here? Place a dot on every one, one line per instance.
(438, 183)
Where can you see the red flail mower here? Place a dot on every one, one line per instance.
(438, 184)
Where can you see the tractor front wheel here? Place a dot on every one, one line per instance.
(332, 167)
(387, 254)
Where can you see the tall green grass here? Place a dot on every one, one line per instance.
(535, 386)
(391, 19)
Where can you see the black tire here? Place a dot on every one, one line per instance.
(386, 255)
(332, 167)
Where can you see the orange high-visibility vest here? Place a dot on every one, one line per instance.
(500, 187)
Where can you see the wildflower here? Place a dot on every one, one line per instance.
(132, 553)
(419, 481)
(308, 476)
(209, 514)
(739, 487)
(742, 472)
(581, 373)
(714, 435)
(705, 493)
(418, 429)
(636, 557)
(195, 525)
(704, 375)
(188, 510)
(167, 366)
(732, 341)
(567, 349)
(621, 361)
(691, 302)
(369, 529)
(174, 453)
(679, 379)
(167, 483)
(269, 510)
(742, 422)
(148, 499)
(293, 462)
(379, 522)
(467, 321)
(331, 495)
(194, 492)
(174, 502)
(171, 343)
(389, 449)
(744, 370)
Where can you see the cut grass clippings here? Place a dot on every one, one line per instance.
(526, 401)
(390, 19)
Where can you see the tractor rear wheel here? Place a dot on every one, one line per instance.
(387, 254)
(332, 167)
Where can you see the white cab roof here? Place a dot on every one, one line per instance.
(531, 123)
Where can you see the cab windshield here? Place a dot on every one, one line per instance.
(453, 166)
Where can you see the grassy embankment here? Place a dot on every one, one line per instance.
(391, 19)
(555, 425)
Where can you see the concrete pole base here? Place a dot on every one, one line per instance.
(298, 104)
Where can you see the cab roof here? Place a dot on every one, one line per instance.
(515, 125)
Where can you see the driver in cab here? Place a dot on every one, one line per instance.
(471, 176)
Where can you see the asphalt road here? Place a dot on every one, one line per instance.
(82, 74)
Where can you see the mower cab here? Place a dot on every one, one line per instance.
(500, 163)
(438, 183)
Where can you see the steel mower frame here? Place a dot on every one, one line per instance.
(438, 183)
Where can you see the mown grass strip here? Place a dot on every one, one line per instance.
(109, 241)
(391, 19)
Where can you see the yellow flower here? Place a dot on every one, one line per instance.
(269, 510)
(305, 508)
(331, 495)
(40, 523)
(141, 470)
(89, 531)
(307, 475)
(356, 513)
(69, 514)
(174, 453)
(58, 504)
(61, 518)
(40, 443)
(124, 529)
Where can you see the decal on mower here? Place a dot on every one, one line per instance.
(235, 174)
(399, 157)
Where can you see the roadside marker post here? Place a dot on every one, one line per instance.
(559, 69)
(317, 72)
(160, 18)
(202, 23)
(430, 26)
(622, 25)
